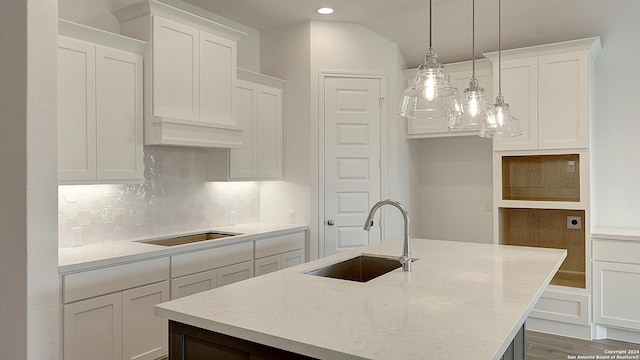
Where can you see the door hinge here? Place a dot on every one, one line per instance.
(381, 100)
(380, 163)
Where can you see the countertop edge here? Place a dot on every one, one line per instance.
(150, 251)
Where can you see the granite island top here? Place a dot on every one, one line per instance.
(460, 301)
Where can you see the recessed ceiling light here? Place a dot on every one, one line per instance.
(325, 11)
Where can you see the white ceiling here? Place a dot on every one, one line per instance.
(405, 22)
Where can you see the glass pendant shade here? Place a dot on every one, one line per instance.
(431, 96)
(500, 122)
(475, 108)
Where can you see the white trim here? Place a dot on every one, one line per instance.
(258, 78)
(100, 37)
(322, 76)
(591, 44)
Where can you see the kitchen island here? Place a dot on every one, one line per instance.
(460, 301)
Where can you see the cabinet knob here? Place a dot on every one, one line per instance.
(330, 222)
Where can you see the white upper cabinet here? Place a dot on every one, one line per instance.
(260, 113)
(548, 88)
(190, 77)
(99, 106)
(459, 76)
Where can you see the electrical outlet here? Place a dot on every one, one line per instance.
(571, 166)
(574, 222)
(292, 217)
(232, 217)
(76, 236)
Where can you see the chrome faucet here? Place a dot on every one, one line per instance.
(405, 259)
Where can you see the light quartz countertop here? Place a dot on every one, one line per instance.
(461, 301)
(73, 259)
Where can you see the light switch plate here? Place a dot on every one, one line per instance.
(232, 217)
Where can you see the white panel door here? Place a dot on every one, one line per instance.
(93, 329)
(119, 114)
(145, 335)
(564, 96)
(217, 80)
(520, 90)
(269, 132)
(76, 110)
(175, 70)
(351, 161)
(243, 160)
(616, 297)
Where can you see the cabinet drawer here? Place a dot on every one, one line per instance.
(92, 283)
(279, 244)
(616, 295)
(234, 273)
(563, 307)
(616, 251)
(203, 260)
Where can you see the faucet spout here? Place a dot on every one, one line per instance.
(405, 259)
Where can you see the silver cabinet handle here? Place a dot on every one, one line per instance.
(330, 222)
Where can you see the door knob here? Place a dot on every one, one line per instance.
(330, 222)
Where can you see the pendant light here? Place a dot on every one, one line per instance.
(500, 122)
(431, 96)
(475, 106)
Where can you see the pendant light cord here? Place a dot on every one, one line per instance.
(430, 24)
(500, 48)
(473, 37)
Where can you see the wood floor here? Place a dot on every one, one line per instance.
(541, 346)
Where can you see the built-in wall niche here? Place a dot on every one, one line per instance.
(549, 228)
(541, 177)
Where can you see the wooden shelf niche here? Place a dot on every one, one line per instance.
(548, 228)
(541, 177)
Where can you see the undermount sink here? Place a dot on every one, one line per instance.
(361, 268)
(189, 238)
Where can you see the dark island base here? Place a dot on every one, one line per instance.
(191, 343)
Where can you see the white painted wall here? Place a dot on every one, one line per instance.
(29, 300)
(97, 13)
(453, 192)
(617, 120)
(286, 54)
(297, 54)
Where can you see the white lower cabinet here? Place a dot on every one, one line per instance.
(234, 273)
(616, 279)
(144, 334)
(109, 312)
(203, 270)
(279, 252)
(93, 329)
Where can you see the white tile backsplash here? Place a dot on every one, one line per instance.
(174, 197)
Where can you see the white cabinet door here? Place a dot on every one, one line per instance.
(93, 329)
(234, 273)
(520, 89)
(144, 334)
(119, 114)
(268, 264)
(616, 295)
(175, 70)
(76, 110)
(269, 132)
(292, 258)
(564, 97)
(243, 163)
(193, 284)
(217, 80)
(260, 116)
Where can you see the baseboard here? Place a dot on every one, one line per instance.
(623, 335)
(559, 328)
